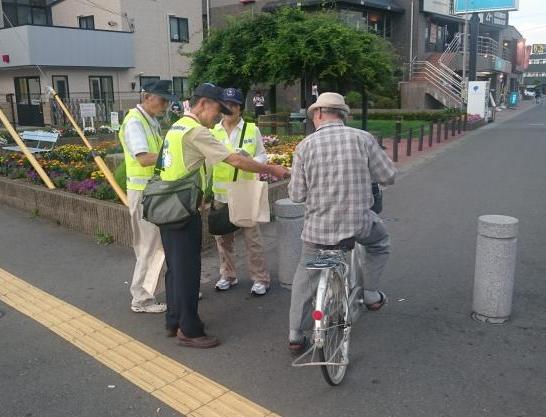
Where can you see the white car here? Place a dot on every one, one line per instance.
(529, 93)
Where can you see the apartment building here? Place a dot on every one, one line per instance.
(535, 74)
(99, 51)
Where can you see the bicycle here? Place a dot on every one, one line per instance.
(338, 303)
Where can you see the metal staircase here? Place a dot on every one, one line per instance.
(439, 79)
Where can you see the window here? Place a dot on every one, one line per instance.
(179, 29)
(181, 88)
(60, 84)
(101, 89)
(146, 79)
(86, 22)
(26, 12)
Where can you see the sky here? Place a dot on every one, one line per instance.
(530, 20)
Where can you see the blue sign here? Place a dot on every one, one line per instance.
(514, 99)
(475, 6)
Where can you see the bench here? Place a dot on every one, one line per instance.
(41, 141)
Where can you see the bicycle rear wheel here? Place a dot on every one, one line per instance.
(335, 351)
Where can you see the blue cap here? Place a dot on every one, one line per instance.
(233, 95)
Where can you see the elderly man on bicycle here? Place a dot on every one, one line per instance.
(332, 173)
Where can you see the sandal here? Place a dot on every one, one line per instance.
(298, 347)
(377, 306)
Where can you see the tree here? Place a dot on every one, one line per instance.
(289, 45)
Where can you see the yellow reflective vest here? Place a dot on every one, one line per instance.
(173, 164)
(137, 175)
(223, 173)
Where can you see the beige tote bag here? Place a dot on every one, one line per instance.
(248, 203)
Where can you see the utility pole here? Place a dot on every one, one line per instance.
(474, 33)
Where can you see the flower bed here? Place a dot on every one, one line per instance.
(280, 150)
(70, 167)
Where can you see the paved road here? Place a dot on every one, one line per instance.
(420, 356)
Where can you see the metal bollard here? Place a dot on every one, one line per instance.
(495, 267)
(289, 220)
(408, 142)
(421, 137)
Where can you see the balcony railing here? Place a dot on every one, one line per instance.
(66, 47)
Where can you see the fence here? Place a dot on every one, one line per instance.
(417, 138)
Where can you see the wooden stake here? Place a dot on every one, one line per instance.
(35, 164)
(98, 160)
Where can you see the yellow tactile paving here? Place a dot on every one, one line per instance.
(173, 383)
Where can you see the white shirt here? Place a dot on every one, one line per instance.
(258, 101)
(235, 137)
(135, 133)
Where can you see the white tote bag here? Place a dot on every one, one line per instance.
(248, 202)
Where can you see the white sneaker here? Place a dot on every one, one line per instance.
(200, 295)
(259, 288)
(150, 308)
(225, 284)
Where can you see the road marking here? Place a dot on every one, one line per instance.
(171, 382)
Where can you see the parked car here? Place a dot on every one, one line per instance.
(528, 94)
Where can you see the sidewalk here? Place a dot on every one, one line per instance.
(420, 356)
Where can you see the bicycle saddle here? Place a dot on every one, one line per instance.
(345, 245)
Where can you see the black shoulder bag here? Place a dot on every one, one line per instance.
(218, 218)
(171, 202)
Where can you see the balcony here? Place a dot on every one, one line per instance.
(22, 46)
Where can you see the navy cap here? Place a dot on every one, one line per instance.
(161, 88)
(233, 95)
(213, 92)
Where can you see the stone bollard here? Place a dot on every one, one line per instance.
(495, 267)
(289, 220)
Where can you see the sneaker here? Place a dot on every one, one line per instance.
(259, 289)
(225, 284)
(150, 308)
(200, 295)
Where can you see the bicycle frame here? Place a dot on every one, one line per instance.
(348, 266)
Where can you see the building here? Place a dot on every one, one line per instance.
(428, 37)
(99, 51)
(436, 70)
(535, 75)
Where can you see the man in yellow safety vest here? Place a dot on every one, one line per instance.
(244, 137)
(188, 146)
(140, 137)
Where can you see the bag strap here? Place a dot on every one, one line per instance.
(243, 131)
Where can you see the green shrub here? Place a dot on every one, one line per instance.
(120, 175)
(385, 103)
(420, 115)
(354, 99)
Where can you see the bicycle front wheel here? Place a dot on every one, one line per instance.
(335, 351)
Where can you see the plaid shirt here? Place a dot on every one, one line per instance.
(332, 173)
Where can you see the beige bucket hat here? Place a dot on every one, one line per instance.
(330, 100)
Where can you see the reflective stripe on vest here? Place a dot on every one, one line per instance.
(137, 175)
(174, 167)
(223, 173)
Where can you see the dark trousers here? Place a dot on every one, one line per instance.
(258, 111)
(182, 248)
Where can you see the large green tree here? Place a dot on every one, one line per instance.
(289, 45)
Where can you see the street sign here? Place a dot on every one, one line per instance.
(114, 120)
(437, 6)
(514, 99)
(477, 98)
(538, 49)
(476, 6)
(88, 110)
